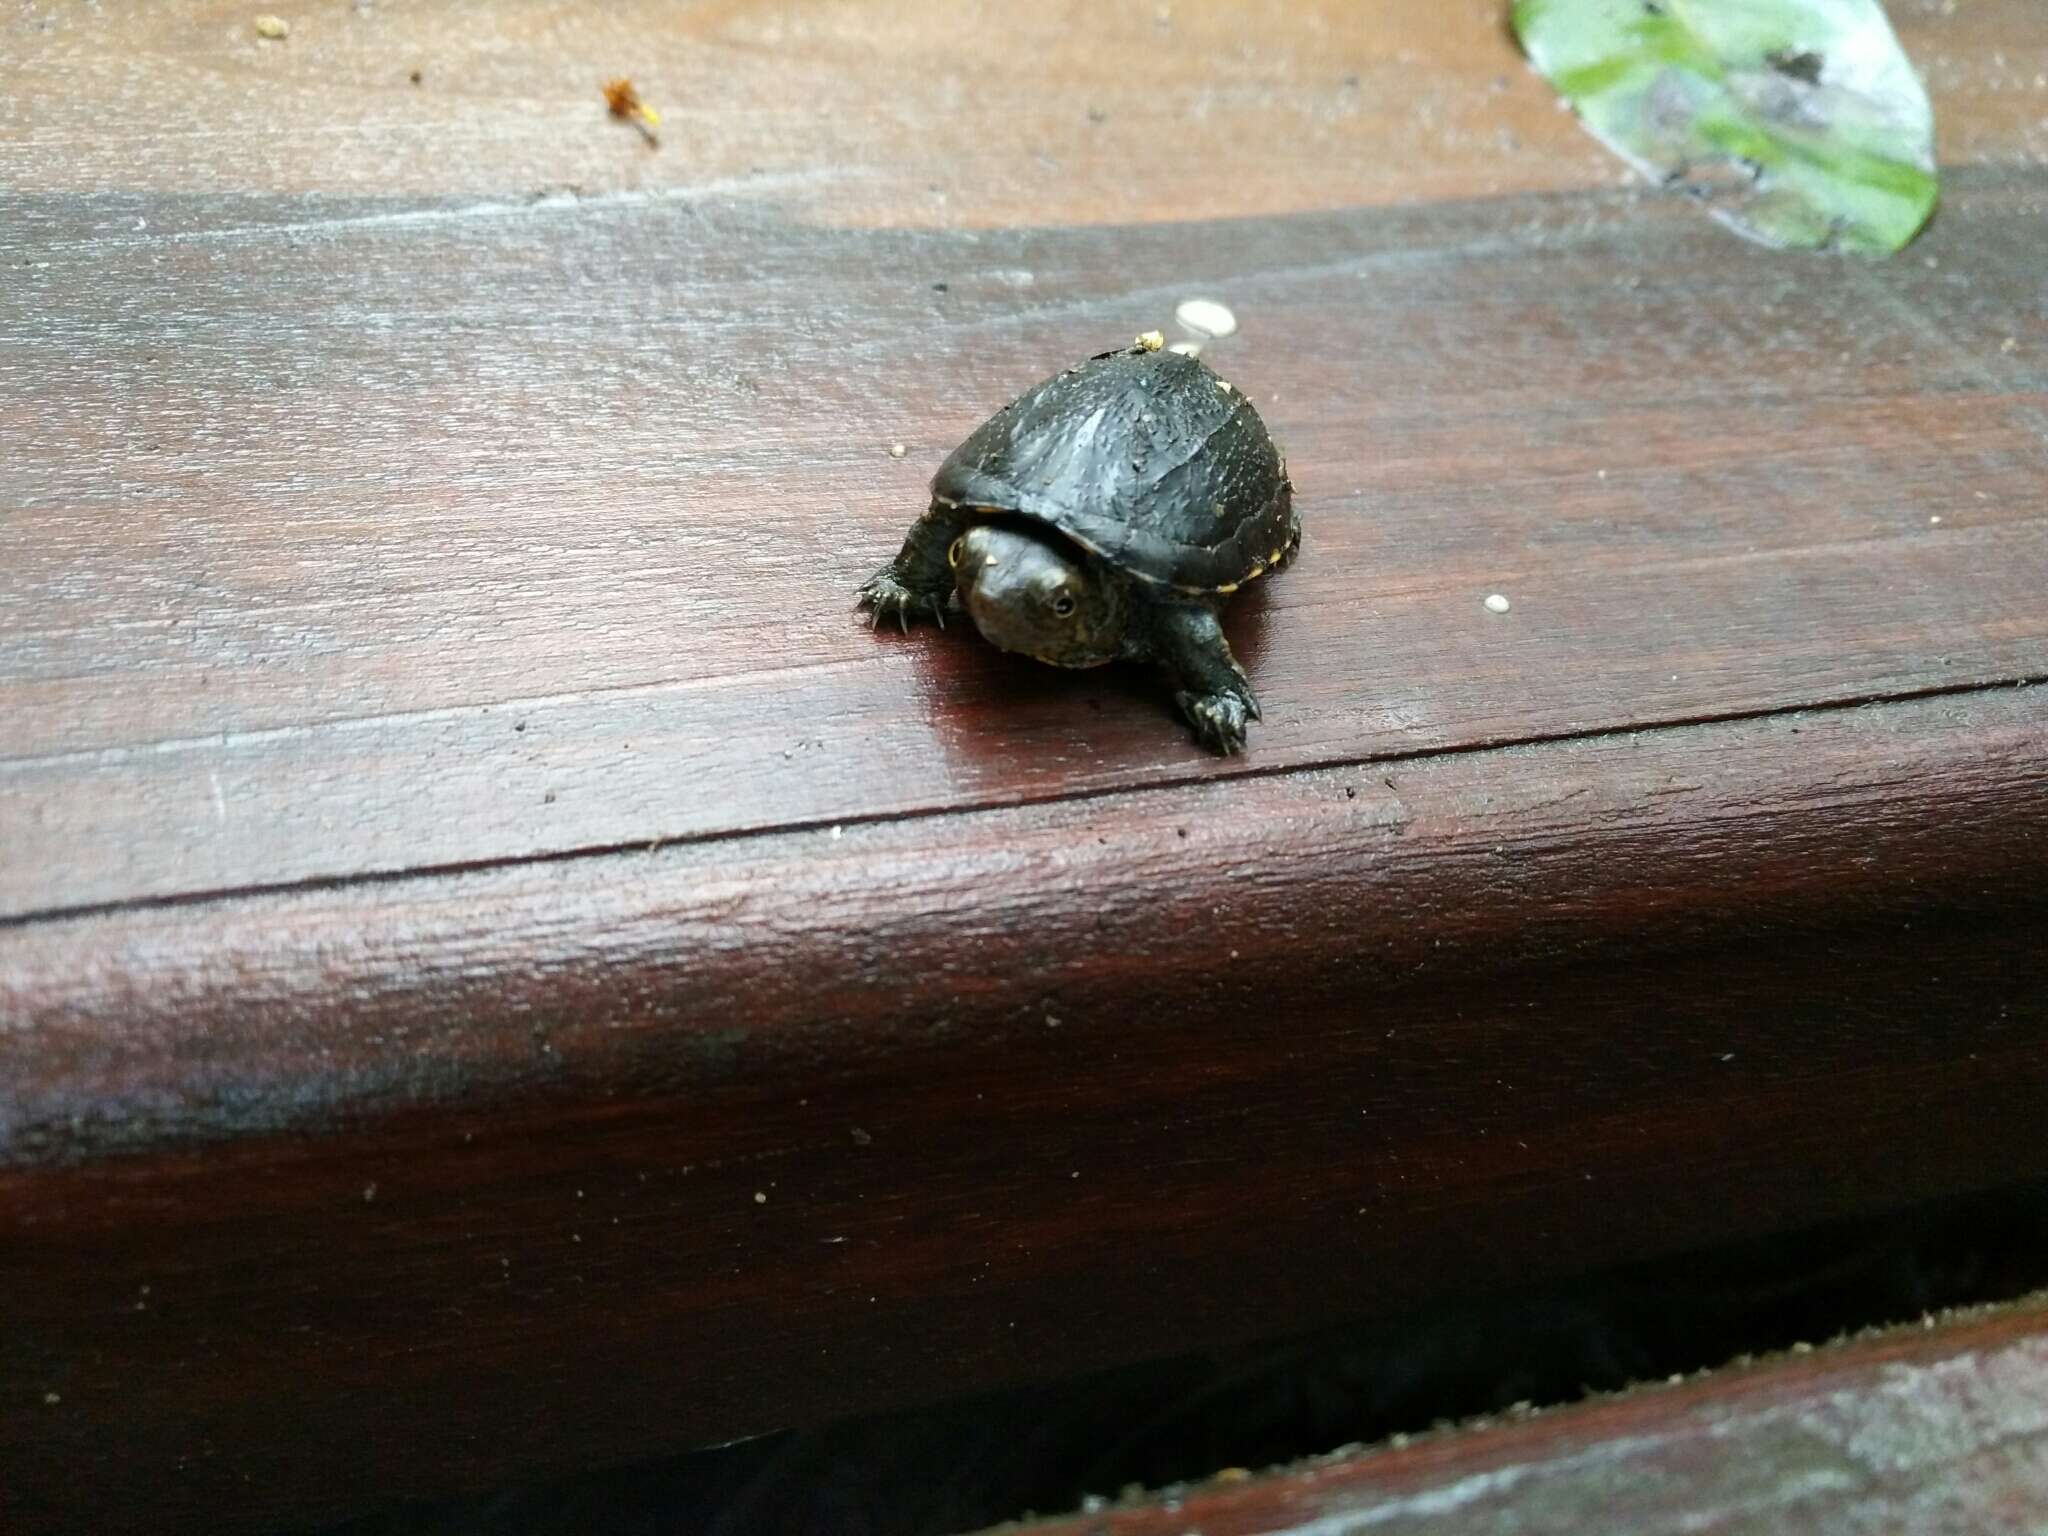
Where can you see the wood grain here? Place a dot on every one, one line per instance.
(470, 539)
(1929, 1428)
(398, 1187)
(923, 113)
(499, 972)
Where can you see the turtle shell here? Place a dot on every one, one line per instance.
(1145, 458)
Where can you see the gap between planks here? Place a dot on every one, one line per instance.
(642, 846)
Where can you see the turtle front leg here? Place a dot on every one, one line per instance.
(1209, 685)
(920, 578)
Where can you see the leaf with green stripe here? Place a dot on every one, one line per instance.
(1797, 122)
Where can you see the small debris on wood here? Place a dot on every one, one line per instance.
(416, 76)
(624, 103)
(1150, 341)
(1205, 318)
(1498, 603)
(897, 450)
(273, 29)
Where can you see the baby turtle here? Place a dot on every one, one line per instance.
(1107, 515)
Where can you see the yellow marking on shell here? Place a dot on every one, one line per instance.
(1149, 341)
(1274, 558)
(1231, 586)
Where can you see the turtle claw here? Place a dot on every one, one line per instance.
(884, 596)
(1219, 718)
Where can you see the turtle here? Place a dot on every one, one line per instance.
(1107, 515)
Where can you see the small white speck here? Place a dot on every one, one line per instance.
(369, 1193)
(1730, 1056)
(1600, 474)
(760, 1197)
(1205, 318)
(1935, 521)
(2010, 344)
(1498, 603)
(1187, 348)
(838, 833)
(897, 450)
(52, 1399)
(272, 29)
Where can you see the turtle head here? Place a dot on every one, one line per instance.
(1032, 592)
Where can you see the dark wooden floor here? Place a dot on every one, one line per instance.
(1935, 1427)
(500, 972)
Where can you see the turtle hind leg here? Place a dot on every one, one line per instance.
(920, 578)
(1208, 684)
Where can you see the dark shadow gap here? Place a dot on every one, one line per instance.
(1048, 1450)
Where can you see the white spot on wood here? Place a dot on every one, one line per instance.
(760, 1197)
(897, 450)
(273, 29)
(220, 800)
(1206, 318)
(1498, 603)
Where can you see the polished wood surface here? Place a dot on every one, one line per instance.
(500, 971)
(1936, 1427)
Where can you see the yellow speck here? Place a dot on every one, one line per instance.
(1227, 587)
(1232, 1475)
(1150, 341)
(273, 29)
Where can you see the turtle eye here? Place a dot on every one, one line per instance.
(959, 548)
(1063, 605)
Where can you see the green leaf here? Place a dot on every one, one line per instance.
(1798, 122)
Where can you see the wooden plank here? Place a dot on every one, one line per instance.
(429, 1180)
(424, 504)
(313, 612)
(1935, 1427)
(926, 113)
